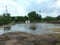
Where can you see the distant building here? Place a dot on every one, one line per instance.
(28, 21)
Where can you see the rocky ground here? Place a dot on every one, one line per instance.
(21, 38)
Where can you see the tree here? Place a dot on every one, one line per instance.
(39, 18)
(58, 17)
(34, 17)
(12, 18)
(49, 19)
(26, 18)
(20, 19)
(6, 18)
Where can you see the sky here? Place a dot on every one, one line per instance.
(23, 7)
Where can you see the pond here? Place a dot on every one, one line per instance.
(26, 28)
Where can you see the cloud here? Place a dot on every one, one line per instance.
(22, 7)
(13, 7)
(26, 2)
(38, 1)
(58, 3)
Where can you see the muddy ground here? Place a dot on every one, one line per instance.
(21, 38)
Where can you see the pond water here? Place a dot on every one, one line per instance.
(26, 28)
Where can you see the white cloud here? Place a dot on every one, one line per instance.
(13, 7)
(58, 3)
(26, 2)
(52, 14)
(21, 7)
(39, 1)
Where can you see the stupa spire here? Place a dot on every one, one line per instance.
(6, 10)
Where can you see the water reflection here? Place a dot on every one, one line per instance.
(33, 27)
(7, 28)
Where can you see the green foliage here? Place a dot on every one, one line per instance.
(58, 17)
(5, 19)
(20, 19)
(34, 17)
(49, 19)
(26, 18)
(12, 18)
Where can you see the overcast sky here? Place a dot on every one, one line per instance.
(22, 7)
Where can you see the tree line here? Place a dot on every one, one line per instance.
(5, 18)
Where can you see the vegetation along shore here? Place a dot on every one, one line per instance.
(32, 16)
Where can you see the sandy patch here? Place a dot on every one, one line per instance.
(53, 29)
